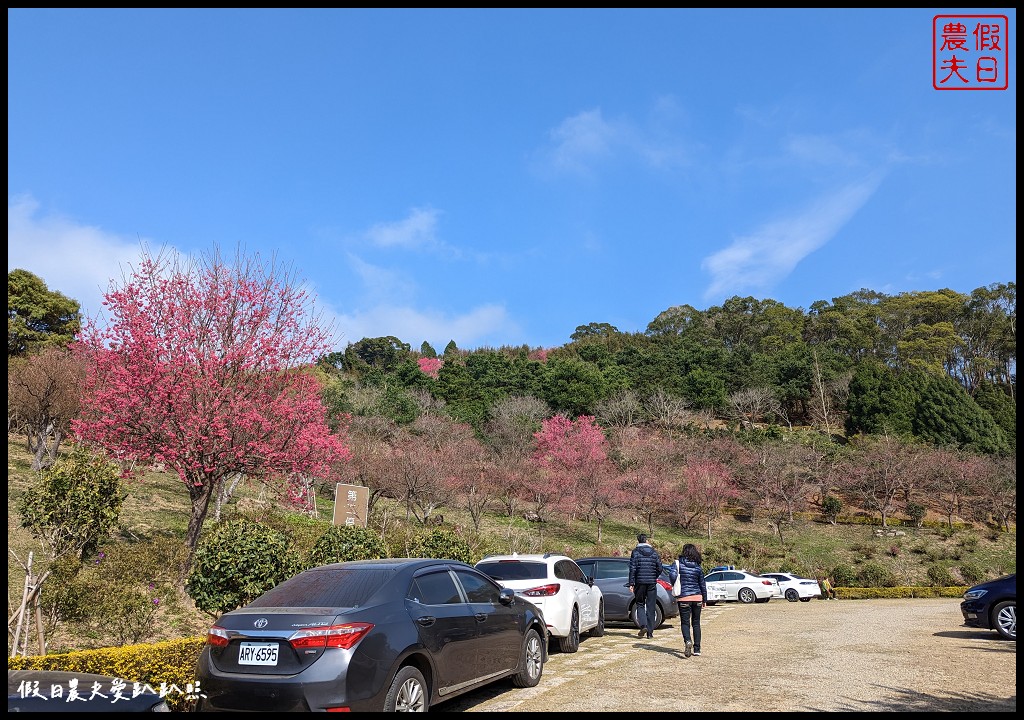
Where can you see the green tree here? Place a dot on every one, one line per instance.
(831, 506)
(427, 350)
(71, 507)
(74, 504)
(573, 386)
(946, 415)
(1002, 408)
(382, 354)
(880, 401)
(37, 316)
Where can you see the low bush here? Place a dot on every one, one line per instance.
(238, 562)
(873, 574)
(169, 668)
(442, 543)
(940, 576)
(343, 543)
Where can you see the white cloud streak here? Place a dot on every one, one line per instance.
(418, 230)
(586, 139)
(760, 260)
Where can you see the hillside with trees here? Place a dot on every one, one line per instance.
(885, 411)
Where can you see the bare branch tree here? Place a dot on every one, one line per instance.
(753, 405)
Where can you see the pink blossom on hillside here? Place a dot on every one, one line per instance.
(430, 366)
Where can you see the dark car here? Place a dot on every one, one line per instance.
(56, 691)
(371, 635)
(611, 575)
(992, 605)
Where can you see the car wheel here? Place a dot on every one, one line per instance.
(792, 595)
(598, 630)
(571, 642)
(659, 616)
(1005, 615)
(532, 663)
(408, 692)
(746, 596)
(634, 615)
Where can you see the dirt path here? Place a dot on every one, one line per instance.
(863, 655)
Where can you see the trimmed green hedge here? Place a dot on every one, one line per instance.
(170, 665)
(857, 593)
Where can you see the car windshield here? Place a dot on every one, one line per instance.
(327, 587)
(514, 570)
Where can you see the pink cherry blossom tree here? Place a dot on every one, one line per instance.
(203, 366)
(430, 366)
(709, 486)
(574, 455)
(646, 478)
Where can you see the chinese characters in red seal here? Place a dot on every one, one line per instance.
(970, 52)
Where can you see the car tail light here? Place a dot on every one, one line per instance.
(665, 584)
(334, 636)
(543, 590)
(766, 582)
(217, 637)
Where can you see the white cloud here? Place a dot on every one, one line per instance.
(587, 138)
(821, 149)
(759, 260)
(418, 230)
(380, 283)
(581, 139)
(77, 260)
(483, 325)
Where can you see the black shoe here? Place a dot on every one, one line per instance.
(650, 636)
(641, 632)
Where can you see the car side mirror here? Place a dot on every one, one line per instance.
(506, 596)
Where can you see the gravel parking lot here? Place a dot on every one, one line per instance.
(844, 655)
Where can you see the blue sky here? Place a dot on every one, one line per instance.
(500, 177)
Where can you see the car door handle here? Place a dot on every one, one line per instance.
(426, 620)
(481, 617)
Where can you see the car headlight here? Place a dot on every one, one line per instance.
(974, 594)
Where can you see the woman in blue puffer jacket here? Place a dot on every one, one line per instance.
(693, 595)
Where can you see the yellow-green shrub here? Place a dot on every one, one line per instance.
(165, 664)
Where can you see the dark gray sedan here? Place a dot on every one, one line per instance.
(611, 574)
(371, 635)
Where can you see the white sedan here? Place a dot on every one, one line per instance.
(739, 585)
(795, 587)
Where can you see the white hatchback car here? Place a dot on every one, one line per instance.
(570, 602)
(742, 586)
(795, 587)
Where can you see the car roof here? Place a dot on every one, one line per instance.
(527, 556)
(604, 557)
(394, 563)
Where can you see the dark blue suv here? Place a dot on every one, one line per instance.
(992, 605)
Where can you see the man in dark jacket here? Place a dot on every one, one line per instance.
(644, 571)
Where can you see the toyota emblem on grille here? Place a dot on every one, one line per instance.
(261, 623)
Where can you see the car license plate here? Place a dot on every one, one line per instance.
(250, 653)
